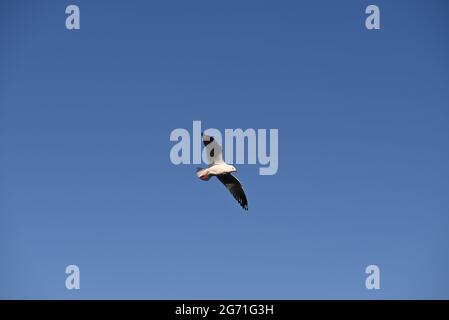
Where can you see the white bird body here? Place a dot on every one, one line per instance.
(223, 171)
(215, 169)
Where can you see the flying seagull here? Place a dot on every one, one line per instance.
(223, 171)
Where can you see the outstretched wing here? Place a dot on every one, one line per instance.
(213, 150)
(235, 188)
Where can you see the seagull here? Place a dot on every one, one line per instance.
(220, 169)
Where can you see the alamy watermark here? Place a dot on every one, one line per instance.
(261, 147)
(372, 282)
(73, 279)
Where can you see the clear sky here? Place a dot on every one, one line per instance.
(86, 178)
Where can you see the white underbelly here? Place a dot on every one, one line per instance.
(219, 169)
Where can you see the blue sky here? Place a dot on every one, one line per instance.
(86, 179)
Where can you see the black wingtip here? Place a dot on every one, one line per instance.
(206, 142)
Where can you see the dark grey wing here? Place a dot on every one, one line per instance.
(235, 188)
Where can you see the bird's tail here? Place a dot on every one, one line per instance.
(202, 174)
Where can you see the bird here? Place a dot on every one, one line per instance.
(221, 170)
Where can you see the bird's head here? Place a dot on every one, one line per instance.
(233, 169)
